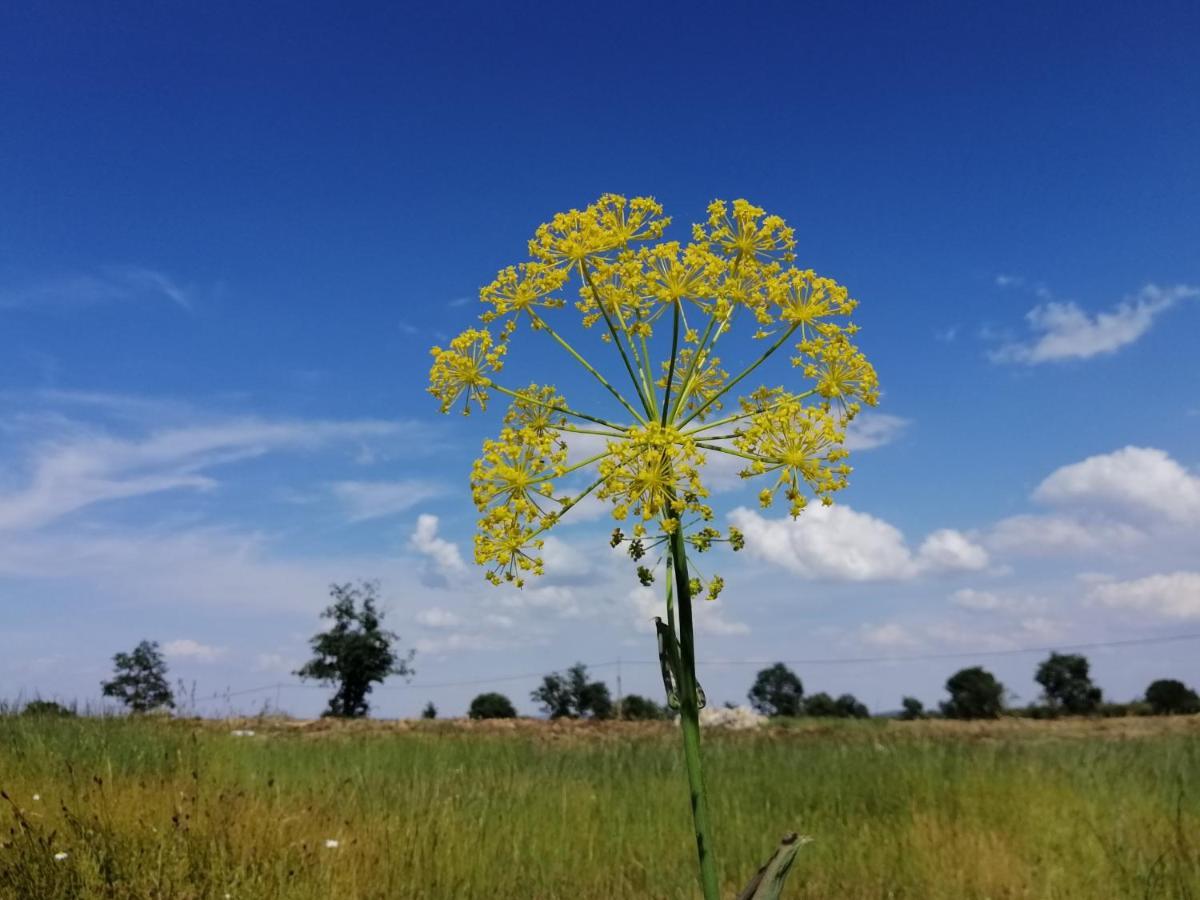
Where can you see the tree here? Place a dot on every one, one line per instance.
(1168, 697)
(572, 696)
(974, 694)
(430, 711)
(140, 679)
(912, 708)
(491, 706)
(850, 707)
(356, 652)
(777, 691)
(820, 706)
(1066, 684)
(640, 709)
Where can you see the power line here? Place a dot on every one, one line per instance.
(812, 661)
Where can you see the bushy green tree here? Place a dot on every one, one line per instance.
(820, 706)
(430, 711)
(1168, 697)
(47, 708)
(638, 708)
(573, 696)
(1067, 684)
(850, 707)
(356, 653)
(847, 706)
(912, 708)
(491, 706)
(140, 679)
(974, 694)
(777, 691)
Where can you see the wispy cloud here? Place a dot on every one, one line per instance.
(1061, 330)
(87, 467)
(112, 284)
(365, 500)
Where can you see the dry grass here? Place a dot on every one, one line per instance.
(929, 810)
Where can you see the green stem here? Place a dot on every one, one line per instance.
(689, 718)
(541, 323)
(671, 365)
(746, 371)
(616, 339)
(566, 411)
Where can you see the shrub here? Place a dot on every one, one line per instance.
(638, 708)
(47, 708)
(492, 706)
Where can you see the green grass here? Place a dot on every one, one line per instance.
(160, 809)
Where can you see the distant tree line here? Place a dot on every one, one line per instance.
(356, 652)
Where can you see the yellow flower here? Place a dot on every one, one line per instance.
(521, 288)
(663, 307)
(611, 222)
(842, 374)
(463, 369)
(804, 299)
(748, 234)
(695, 384)
(802, 443)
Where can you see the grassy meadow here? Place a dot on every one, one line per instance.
(923, 810)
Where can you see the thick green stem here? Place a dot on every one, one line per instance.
(689, 717)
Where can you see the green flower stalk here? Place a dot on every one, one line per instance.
(641, 295)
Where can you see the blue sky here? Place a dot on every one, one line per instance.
(228, 237)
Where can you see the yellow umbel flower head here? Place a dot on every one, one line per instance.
(659, 309)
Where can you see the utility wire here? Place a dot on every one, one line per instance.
(812, 661)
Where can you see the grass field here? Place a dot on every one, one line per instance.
(177, 809)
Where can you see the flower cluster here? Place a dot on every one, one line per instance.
(662, 307)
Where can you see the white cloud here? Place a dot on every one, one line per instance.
(82, 469)
(841, 544)
(442, 554)
(648, 603)
(870, 430)
(114, 284)
(988, 601)
(889, 635)
(1138, 479)
(1036, 535)
(186, 648)
(1064, 331)
(437, 617)
(1172, 596)
(949, 550)
(365, 500)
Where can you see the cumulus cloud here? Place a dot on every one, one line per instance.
(1049, 535)
(365, 500)
(1137, 479)
(1170, 596)
(444, 559)
(869, 430)
(1062, 330)
(840, 544)
(186, 648)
